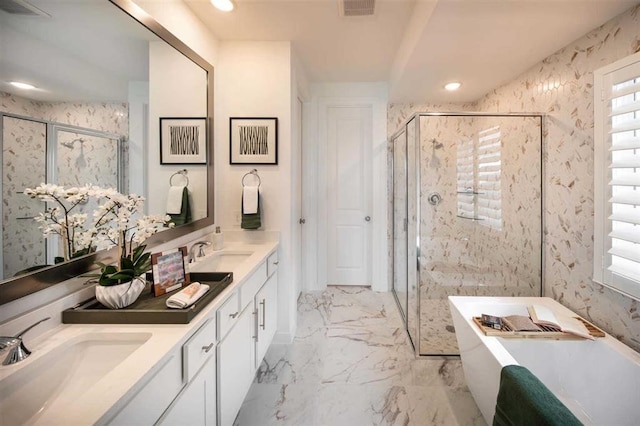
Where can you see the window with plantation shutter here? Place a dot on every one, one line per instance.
(466, 178)
(489, 177)
(617, 176)
(479, 168)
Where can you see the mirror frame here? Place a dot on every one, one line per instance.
(19, 287)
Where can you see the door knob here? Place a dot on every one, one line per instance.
(367, 218)
(302, 221)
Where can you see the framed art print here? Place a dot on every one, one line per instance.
(253, 140)
(183, 140)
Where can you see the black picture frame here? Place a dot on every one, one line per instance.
(262, 149)
(183, 140)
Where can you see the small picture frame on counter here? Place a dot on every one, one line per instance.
(170, 270)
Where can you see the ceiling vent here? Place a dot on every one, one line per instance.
(21, 7)
(357, 7)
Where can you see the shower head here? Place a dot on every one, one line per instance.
(72, 143)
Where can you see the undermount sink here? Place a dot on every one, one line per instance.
(55, 380)
(222, 261)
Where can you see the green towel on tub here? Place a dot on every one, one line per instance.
(523, 400)
(250, 221)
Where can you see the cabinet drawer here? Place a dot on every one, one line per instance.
(198, 349)
(252, 285)
(272, 263)
(227, 314)
(148, 404)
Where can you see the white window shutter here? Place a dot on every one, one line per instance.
(617, 184)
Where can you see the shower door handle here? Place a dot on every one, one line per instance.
(367, 218)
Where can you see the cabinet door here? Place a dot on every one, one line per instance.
(267, 305)
(196, 404)
(236, 366)
(149, 403)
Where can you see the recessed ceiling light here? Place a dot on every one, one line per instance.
(21, 85)
(452, 86)
(223, 5)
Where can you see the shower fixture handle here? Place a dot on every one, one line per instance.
(434, 198)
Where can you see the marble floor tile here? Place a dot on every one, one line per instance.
(437, 335)
(351, 363)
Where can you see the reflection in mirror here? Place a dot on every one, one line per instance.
(102, 82)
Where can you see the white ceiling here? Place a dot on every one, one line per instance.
(417, 46)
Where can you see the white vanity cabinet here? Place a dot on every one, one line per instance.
(242, 349)
(154, 397)
(196, 403)
(266, 303)
(205, 381)
(182, 391)
(236, 366)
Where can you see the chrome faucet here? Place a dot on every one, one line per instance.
(200, 245)
(14, 346)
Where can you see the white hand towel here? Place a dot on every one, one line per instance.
(250, 196)
(187, 296)
(174, 199)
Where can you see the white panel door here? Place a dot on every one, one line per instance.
(298, 231)
(349, 133)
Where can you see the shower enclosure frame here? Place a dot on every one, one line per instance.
(51, 141)
(415, 260)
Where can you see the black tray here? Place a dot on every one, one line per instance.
(149, 309)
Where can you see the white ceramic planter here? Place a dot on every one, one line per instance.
(121, 295)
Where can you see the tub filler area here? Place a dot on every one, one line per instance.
(597, 380)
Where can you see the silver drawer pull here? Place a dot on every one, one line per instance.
(207, 348)
(257, 326)
(234, 315)
(264, 313)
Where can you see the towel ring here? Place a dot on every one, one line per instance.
(182, 173)
(255, 173)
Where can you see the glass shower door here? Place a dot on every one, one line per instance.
(24, 144)
(479, 215)
(400, 222)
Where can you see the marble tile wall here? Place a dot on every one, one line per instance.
(561, 86)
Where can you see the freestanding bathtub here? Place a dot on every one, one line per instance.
(599, 381)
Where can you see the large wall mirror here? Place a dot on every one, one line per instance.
(105, 73)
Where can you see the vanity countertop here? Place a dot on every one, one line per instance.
(104, 398)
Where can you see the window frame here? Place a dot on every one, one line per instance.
(602, 161)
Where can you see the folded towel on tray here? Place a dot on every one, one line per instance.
(187, 296)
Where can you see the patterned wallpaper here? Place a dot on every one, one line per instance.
(561, 86)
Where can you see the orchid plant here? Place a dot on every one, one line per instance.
(61, 220)
(116, 221)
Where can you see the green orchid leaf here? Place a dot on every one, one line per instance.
(126, 263)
